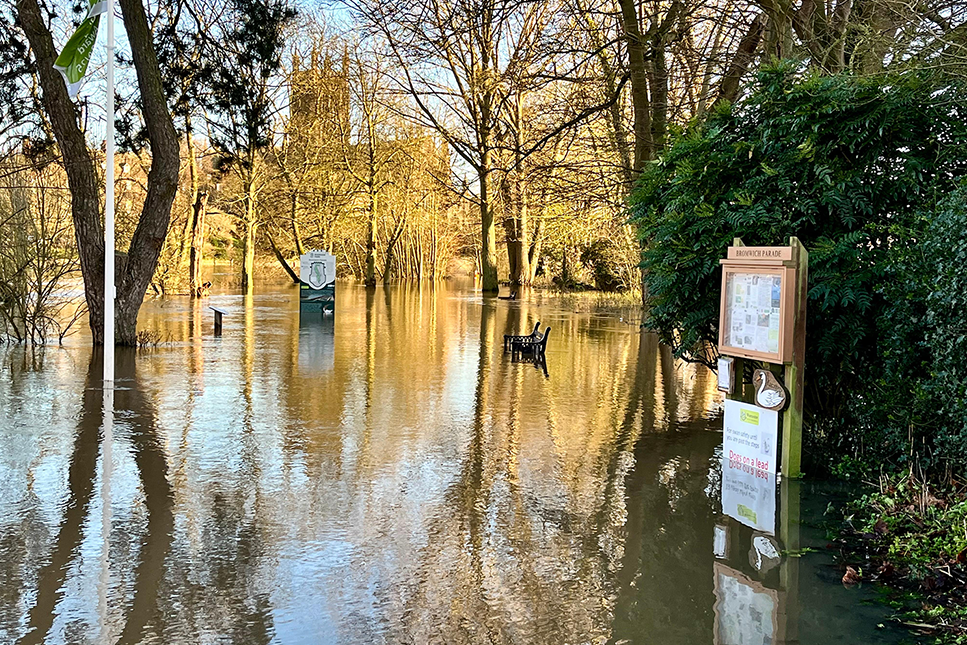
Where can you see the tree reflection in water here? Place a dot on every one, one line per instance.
(80, 483)
(392, 477)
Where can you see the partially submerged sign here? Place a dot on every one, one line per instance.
(750, 436)
(763, 319)
(317, 273)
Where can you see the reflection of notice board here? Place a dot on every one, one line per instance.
(745, 611)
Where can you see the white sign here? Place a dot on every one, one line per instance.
(726, 373)
(750, 435)
(749, 495)
(752, 311)
(317, 269)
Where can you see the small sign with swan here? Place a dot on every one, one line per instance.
(769, 393)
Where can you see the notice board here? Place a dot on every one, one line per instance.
(757, 307)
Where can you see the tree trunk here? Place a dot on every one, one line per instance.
(281, 258)
(744, 55)
(248, 235)
(294, 220)
(187, 233)
(659, 96)
(199, 210)
(534, 254)
(248, 227)
(134, 269)
(371, 239)
(149, 236)
(488, 233)
(619, 136)
(637, 68)
(78, 163)
(516, 230)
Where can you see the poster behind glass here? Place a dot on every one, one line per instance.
(752, 311)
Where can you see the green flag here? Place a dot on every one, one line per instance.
(75, 56)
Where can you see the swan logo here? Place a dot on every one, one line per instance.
(750, 417)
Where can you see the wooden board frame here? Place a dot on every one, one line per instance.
(786, 309)
(792, 348)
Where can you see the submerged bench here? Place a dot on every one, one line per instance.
(509, 339)
(533, 345)
(218, 319)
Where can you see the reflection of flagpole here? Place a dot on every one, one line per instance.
(109, 208)
(107, 466)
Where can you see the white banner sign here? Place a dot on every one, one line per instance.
(317, 269)
(750, 435)
(749, 495)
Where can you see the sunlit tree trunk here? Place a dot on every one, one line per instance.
(199, 210)
(371, 237)
(248, 231)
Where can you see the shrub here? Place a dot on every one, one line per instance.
(917, 406)
(851, 166)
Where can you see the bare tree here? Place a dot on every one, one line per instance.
(136, 267)
(454, 58)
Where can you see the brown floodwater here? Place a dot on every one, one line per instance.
(389, 475)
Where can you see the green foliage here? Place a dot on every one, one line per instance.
(914, 538)
(851, 166)
(923, 348)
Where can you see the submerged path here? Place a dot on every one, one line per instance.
(385, 476)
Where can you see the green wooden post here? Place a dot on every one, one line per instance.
(792, 417)
(789, 538)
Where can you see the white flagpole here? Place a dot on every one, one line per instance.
(109, 296)
(109, 290)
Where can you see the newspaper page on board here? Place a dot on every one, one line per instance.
(752, 311)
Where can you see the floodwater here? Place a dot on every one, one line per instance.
(388, 475)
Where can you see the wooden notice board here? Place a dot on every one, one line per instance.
(758, 303)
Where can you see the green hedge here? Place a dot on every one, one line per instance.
(856, 168)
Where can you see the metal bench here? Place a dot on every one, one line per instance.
(530, 345)
(509, 339)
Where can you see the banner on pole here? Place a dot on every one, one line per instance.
(76, 55)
